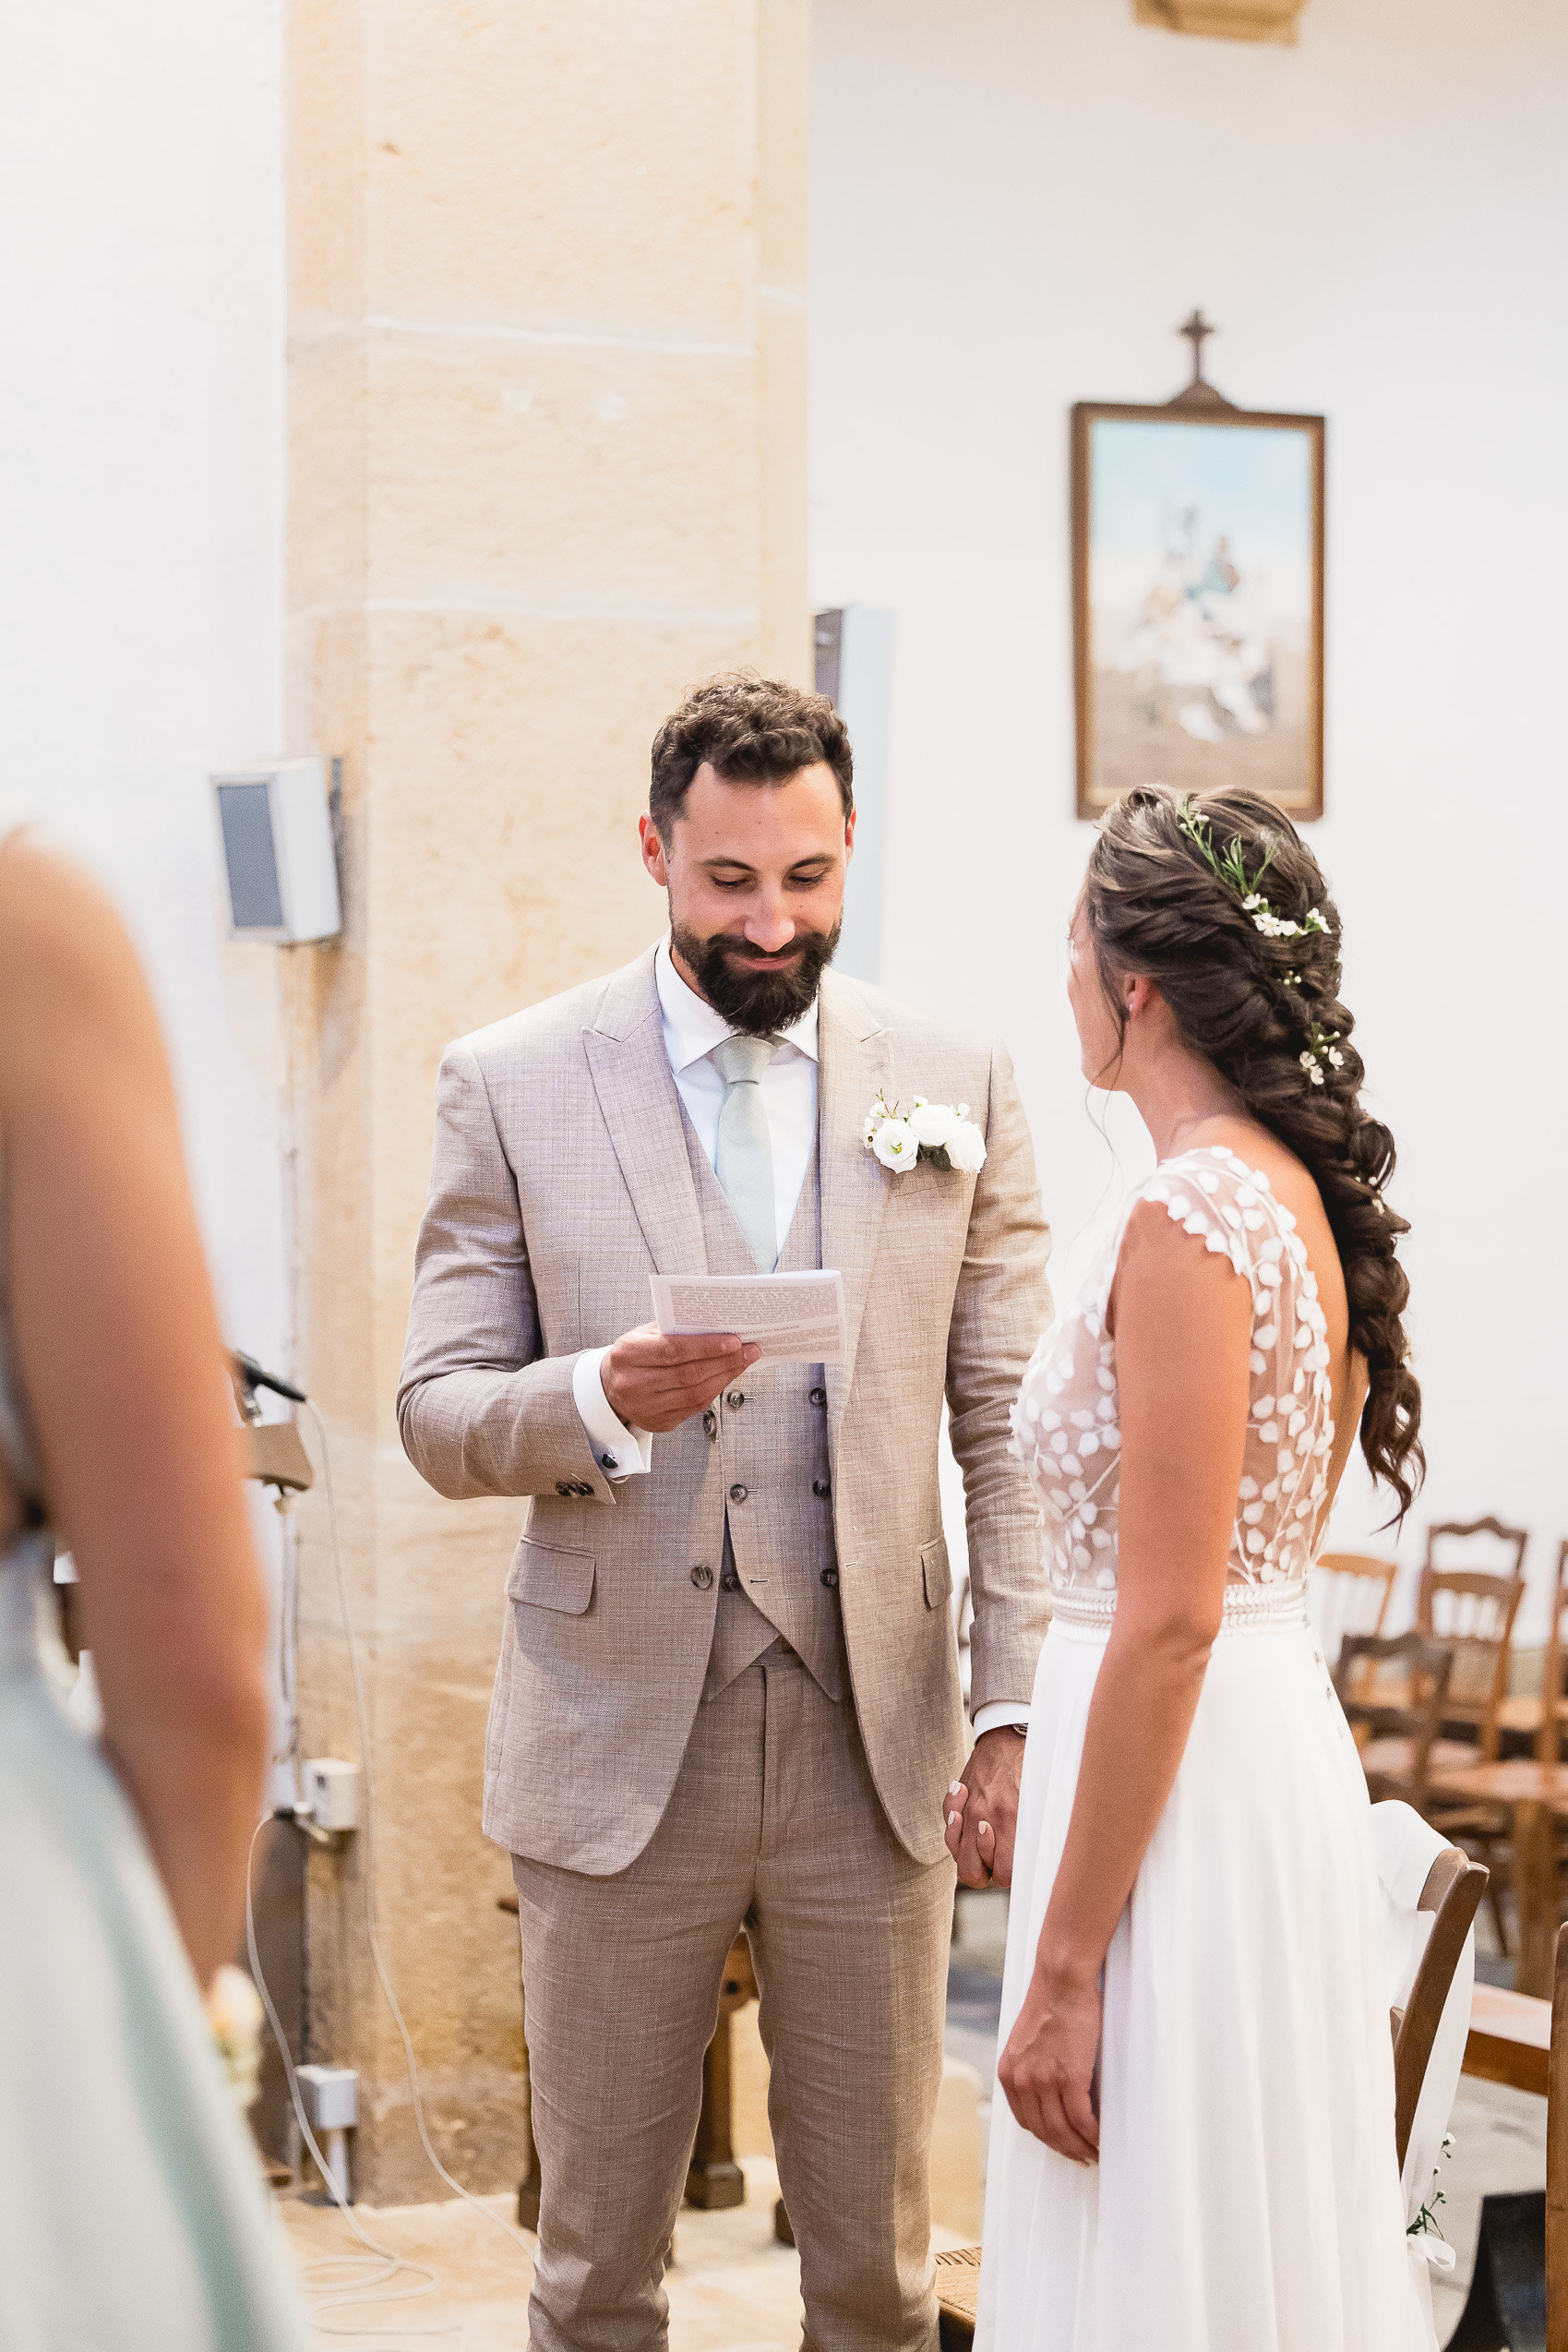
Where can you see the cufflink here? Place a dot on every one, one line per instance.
(608, 1461)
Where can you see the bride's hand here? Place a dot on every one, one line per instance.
(1047, 2068)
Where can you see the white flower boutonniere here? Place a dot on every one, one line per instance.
(932, 1131)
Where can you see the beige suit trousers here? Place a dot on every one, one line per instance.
(774, 1821)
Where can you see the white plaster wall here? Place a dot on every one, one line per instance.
(141, 559)
(141, 554)
(1013, 205)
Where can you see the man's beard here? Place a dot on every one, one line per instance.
(758, 1003)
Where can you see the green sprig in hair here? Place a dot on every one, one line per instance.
(1230, 868)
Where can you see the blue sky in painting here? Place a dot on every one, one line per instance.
(1253, 482)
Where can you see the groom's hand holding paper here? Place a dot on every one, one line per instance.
(788, 1318)
(654, 1383)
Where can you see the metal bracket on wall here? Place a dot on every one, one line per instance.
(1224, 20)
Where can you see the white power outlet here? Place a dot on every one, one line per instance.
(330, 1789)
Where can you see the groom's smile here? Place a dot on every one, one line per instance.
(755, 874)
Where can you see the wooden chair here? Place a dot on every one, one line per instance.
(1348, 1594)
(1474, 1608)
(1396, 1732)
(1542, 1718)
(1557, 2157)
(1452, 1890)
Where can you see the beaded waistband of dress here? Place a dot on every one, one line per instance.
(1248, 1607)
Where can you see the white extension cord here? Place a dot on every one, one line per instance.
(334, 2292)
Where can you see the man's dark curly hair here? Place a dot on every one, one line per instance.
(754, 730)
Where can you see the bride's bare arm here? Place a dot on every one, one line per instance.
(1182, 1321)
(123, 1371)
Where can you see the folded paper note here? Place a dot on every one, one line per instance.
(794, 1319)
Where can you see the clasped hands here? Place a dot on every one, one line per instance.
(1047, 2068)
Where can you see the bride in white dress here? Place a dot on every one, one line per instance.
(1193, 2144)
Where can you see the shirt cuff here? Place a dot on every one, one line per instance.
(1002, 1712)
(619, 1451)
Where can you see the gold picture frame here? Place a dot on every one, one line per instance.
(1198, 599)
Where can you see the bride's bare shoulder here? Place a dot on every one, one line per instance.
(70, 982)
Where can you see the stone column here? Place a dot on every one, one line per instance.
(547, 468)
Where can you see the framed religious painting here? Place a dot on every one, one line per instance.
(1198, 599)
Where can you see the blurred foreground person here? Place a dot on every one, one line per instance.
(132, 2213)
(1196, 2145)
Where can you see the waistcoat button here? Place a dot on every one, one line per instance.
(818, 1396)
(709, 1426)
(735, 1398)
(820, 1486)
(829, 1578)
(701, 1579)
(739, 1493)
(730, 1581)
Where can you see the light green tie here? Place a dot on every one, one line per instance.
(743, 1161)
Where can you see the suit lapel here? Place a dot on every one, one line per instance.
(636, 1087)
(855, 1060)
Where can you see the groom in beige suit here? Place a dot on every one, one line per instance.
(728, 1688)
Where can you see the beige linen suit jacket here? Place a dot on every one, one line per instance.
(561, 1180)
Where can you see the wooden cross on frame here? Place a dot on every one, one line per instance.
(1200, 392)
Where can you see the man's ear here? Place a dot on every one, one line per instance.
(849, 835)
(653, 851)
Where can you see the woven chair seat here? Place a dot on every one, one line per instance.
(958, 2292)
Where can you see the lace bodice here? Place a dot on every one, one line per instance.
(1066, 1423)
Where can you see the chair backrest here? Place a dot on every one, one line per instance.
(1549, 1739)
(1557, 2159)
(1504, 1541)
(1454, 1889)
(1474, 1608)
(1348, 1593)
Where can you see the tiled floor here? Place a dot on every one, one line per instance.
(732, 2287)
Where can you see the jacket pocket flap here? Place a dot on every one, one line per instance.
(551, 1579)
(937, 1574)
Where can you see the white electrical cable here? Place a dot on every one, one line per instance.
(369, 1850)
(334, 2293)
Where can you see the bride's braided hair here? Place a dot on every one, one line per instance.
(1262, 1004)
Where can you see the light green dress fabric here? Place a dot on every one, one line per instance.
(133, 2215)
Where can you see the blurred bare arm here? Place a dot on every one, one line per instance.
(123, 1374)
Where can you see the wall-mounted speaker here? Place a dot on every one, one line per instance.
(275, 823)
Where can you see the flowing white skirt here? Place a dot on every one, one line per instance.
(1247, 2198)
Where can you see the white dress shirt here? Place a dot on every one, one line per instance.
(692, 1028)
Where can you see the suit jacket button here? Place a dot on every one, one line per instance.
(710, 1426)
(735, 1398)
(701, 1579)
(820, 1486)
(582, 1487)
(829, 1578)
(730, 1581)
(739, 1493)
(564, 1486)
(818, 1396)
